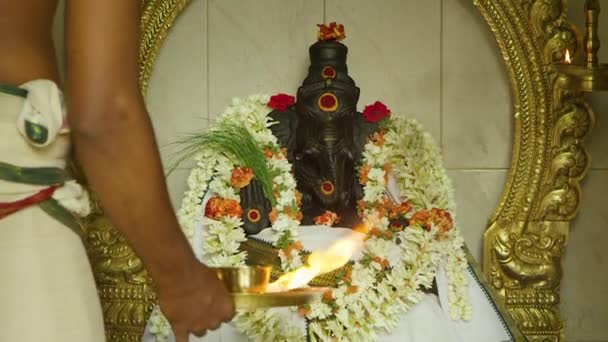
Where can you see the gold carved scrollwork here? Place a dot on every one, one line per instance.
(126, 292)
(528, 231)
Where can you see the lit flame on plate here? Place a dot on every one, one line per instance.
(568, 60)
(321, 261)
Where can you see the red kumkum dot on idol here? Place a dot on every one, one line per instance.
(327, 188)
(328, 102)
(328, 72)
(253, 215)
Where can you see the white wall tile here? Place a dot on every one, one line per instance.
(477, 118)
(394, 54)
(259, 47)
(477, 192)
(177, 93)
(585, 282)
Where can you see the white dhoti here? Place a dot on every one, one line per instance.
(47, 289)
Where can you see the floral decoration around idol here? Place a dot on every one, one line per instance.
(375, 291)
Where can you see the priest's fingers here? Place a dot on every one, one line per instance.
(181, 335)
(199, 332)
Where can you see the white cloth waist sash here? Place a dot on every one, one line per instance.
(47, 289)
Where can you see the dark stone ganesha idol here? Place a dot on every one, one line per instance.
(324, 136)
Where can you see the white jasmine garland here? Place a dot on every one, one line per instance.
(376, 295)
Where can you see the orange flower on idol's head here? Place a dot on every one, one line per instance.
(363, 173)
(331, 32)
(241, 177)
(218, 207)
(328, 218)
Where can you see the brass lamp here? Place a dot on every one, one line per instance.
(591, 76)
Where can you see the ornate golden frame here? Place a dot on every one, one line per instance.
(528, 230)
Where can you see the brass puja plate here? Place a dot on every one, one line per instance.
(247, 285)
(252, 301)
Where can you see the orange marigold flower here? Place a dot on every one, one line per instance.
(382, 262)
(328, 295)
(377, 138)
(375, 232)
(347, 278)
(241, 177)
(352, 289)
(299, 216)
(442, 219)
(328, 218)
(399, 210)
(272, 215)
(298, 198)
(268, 153)
(421, 218)
(388, 234)
(218, 207)
(296, 246)
(232, 208)
(439, 217)
(363, 173)
(361, 205)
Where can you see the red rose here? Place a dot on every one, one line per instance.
(280, 102)
(376, 112)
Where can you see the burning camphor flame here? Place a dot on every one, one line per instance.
(568, 60)
(321, 261)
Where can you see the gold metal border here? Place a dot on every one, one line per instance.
(528, 231)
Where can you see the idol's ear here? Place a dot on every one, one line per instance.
(357, 94)
(256, 208)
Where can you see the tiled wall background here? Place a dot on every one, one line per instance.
(433, 60)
